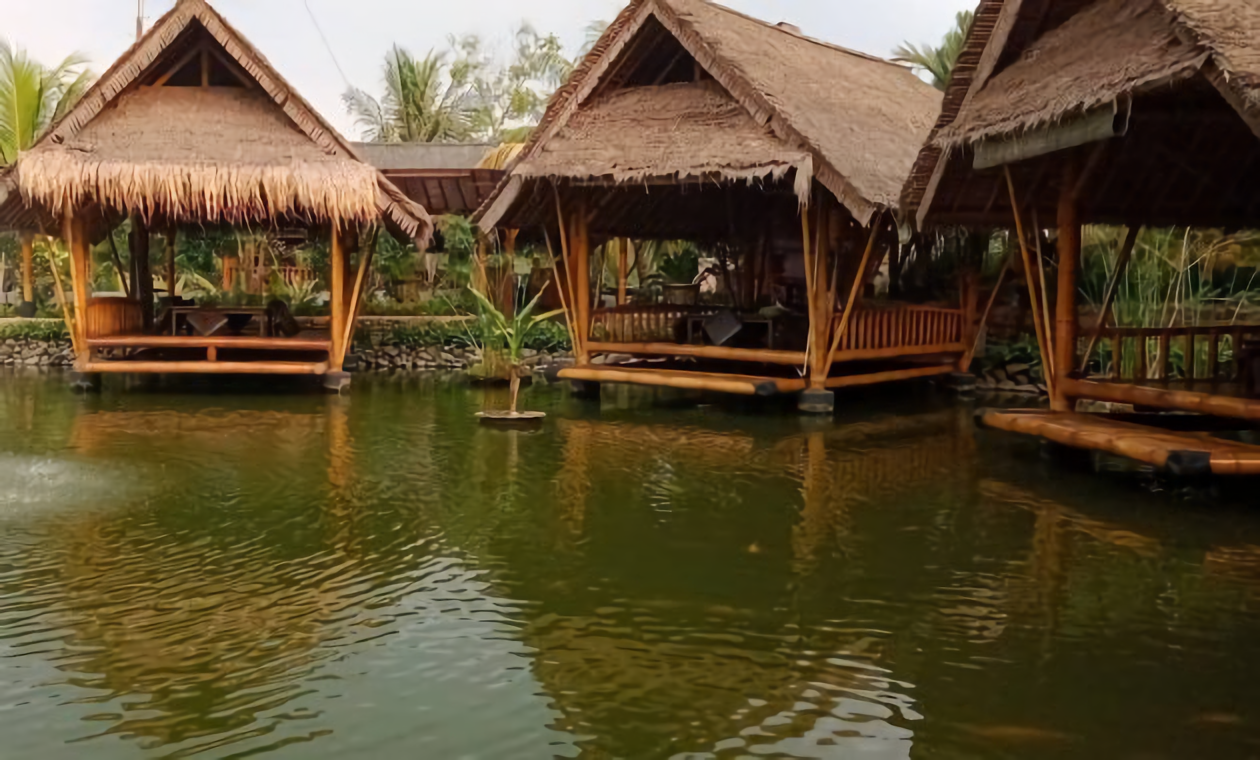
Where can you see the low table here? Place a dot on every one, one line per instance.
(206, 321)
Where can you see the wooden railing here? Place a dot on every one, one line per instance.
(663, 323)
(107, 317)
(1190, 354)
(902, 330)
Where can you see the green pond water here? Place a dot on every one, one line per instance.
(273, 572)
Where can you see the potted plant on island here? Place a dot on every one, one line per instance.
(514, 333)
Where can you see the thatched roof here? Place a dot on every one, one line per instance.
(859, 119)
(1037, 64)
(427, 156)
(444, 178)
(690, 130)
(249, 150)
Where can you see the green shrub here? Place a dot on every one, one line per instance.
(35, 329)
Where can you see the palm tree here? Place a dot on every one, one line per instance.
(34, 97)
(426, 99)
(939, 62)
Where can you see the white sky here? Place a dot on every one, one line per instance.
(361, 31)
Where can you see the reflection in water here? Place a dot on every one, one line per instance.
(377, 576)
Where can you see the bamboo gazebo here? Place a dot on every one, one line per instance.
(689, 121)
(1117, 112)
(192, 126)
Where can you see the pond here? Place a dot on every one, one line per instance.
(270, 572)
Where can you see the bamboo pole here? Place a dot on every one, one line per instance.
(988, 309)
(877, 378)
(337, 289)
(170, 262)
(114, 257)
(754, 355)
(564, 304)
(581, 242)
(60, 292)
(623, 270)
(356, 297)
(77, 243)
(1113, 287)
(854, 291)
(810, 296)
(207, 367)
(824, 304)
(1066, 319)
(1032, 285)
(1045, 295)
(28, 266)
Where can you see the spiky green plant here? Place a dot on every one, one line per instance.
(512, 333)
(938, 62)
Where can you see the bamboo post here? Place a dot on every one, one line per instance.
(579, 340)
(824, 301)
(847, 317)
(1066, 320)
(1026, 255)
(76, 241)
(988, 310)
(356, 299)
(141, 274)
(28, 266)
(564, 302)
(1109, 298)
(60, 293)
(1045, 296)
(810, 295)
(623, 271)
(170, 263)
(337, 292)
(581, 243)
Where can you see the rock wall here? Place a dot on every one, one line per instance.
(393, 357)
(30, 352)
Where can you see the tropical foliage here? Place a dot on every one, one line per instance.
(33, 97)
(938, 62)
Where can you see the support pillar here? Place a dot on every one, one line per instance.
(623, 271)
(141, 271)
(1066, 327)
(170, 263)
(75, 236)
(580, 242)
(337, 295)
(28, 272)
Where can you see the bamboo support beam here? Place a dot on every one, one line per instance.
(170, 262)
(757, 356)
(877, 378)
(1162, 398)
(988, 310)
(59, 291)
(847, 317)
(1113, 286)
(1067, 320)
(28, 266)
(337, 288)
(741, 385)
(1038, 324)
(356, 299)
(623, 271)
(205, 368)
(1045, 296)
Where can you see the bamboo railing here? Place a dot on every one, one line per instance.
(662, 323)
(901, 330)
(1203, 354)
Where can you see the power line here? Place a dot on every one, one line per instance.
(327, 46)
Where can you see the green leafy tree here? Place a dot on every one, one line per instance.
(938, 62)
(33, 97)
(429, 99)
(513, 97)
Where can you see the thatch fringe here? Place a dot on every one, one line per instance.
(338, 193)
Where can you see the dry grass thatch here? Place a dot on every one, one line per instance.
(1100, 52)
(244, 157)
(861, 119)
(1110, 49)
(678, 131)
(189, 153)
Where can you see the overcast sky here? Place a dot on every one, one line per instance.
(360, 31)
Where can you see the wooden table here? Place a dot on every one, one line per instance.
(254, 312)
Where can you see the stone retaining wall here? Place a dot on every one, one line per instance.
(28, 352)
(387, 358)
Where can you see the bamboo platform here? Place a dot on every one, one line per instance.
(1176, 452)
(204, 368)
(1156, 397)
(743, 385)
(250, 343)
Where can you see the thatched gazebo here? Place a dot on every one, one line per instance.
(192, 126)
(781, 153)
(1121, 112)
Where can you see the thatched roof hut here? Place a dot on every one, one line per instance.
(1178, 80)
(685, 93)
(192, 124)
(444, 178)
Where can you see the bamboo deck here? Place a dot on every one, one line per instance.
(1176, 452)
(742, 385)
(1155, 397)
